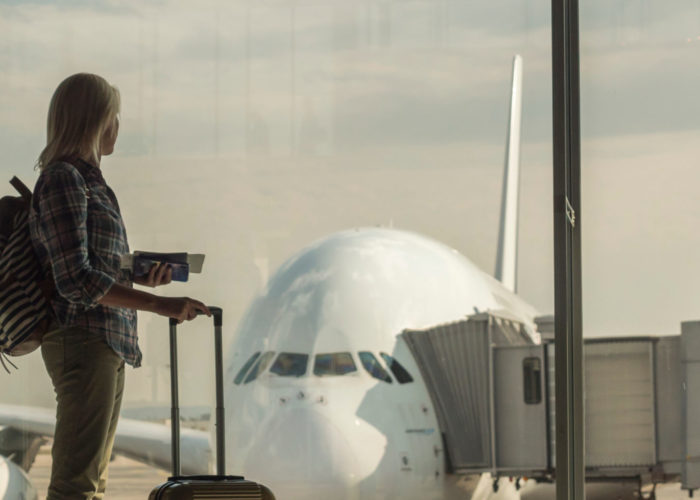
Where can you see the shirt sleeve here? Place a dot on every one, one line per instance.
(62, 204)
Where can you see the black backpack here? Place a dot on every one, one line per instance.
(25, 294)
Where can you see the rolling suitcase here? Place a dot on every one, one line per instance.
(220, 486)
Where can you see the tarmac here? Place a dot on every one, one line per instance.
(132, 480)
(128, 479)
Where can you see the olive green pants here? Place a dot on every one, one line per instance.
(88, 378)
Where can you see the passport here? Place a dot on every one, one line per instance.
(181, 263)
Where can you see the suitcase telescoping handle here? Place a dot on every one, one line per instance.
(175, 410)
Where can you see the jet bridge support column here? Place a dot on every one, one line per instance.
(690, 352)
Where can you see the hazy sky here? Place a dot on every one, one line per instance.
(251, 129)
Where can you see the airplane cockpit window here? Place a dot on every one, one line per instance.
(290, 364)
(245, 368)
(397, 369)
(371, 364)
(260, 366)
(337, 363)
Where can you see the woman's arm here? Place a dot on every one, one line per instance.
(63, 205)
(180, 308)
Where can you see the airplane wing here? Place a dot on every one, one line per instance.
(146, 442)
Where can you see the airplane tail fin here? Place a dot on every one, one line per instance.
(507, 256)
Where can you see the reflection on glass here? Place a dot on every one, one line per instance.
(371, 364)
(270, 120)
(260, 366)
(397, 369)
(290, 364)
(245, 368)
(337, 363)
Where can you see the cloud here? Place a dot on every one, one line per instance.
(640, 90)
(184, 72)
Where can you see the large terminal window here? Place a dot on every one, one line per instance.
(290, 364)
(288, 110)
(371, 364)
(337, 363)
(397, 369)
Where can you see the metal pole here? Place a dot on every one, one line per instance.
(570, 465)
(492, 404)
(220, 416)
(175, 400)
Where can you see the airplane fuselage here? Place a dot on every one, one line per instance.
(320, 407)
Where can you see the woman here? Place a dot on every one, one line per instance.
(79, 236)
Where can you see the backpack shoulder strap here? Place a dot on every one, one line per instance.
(22, 188)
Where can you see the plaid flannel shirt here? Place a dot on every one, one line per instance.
(79, 236)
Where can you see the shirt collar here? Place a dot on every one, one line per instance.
(86, 169)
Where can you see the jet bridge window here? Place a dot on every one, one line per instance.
(397, 369)
(260, 366)
(371, 364)
(337, 363)
(245, 368)
(532, 373)
(290, 364)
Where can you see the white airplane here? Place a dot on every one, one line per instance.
(14, 482)
(323, 399)
(326, 400)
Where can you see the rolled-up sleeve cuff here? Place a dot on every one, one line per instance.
(96, 287)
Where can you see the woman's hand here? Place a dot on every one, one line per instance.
(180, 308)
(159, 274)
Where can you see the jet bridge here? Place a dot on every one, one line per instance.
(493, 392)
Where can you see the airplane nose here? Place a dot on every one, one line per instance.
(301, 447)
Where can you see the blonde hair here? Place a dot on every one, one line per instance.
(82, 108)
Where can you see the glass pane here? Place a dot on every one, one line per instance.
(290, 364)
(339, 363)
(532, 383)
(341, 165)
(397, 369)
(371, 364)
(260, 366)
(245, 368)
(640, 129)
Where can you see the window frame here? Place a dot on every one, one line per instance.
(259, 366)
(387, 378)
(532, 380)
(403, 376)
(287, 353)
(354, 364)
(240, 376)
